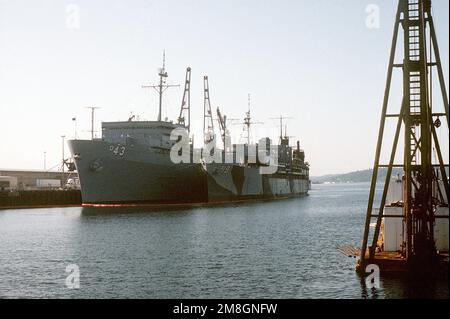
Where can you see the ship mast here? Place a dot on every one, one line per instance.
(92, 108)
(248, 121)
(162, 86)
(281, 118)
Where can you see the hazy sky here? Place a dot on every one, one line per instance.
(315, 61)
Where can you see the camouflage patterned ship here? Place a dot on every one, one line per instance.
(131, 163)
(244, 181)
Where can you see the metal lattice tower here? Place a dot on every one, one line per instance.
(419, 124)
(185, 111)
(208, 122)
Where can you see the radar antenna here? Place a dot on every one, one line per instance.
(162, 86)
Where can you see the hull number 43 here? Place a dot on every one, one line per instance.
(117, 150)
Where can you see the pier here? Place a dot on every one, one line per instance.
(35, 188)
(40, 198)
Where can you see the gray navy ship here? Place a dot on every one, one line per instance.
(131, 163)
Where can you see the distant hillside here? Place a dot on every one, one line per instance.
(354, 177)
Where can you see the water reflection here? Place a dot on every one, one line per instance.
(405, 286)
(126, 210)
(277, 249)
(368, 293)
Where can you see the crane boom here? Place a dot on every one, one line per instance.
(185, 110)
(208, 123)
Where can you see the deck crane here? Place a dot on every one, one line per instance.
(208, 122)
(185, 111)
(224, 132)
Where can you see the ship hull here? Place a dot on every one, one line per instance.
(134, 176)
(116, 174)
(231, 182)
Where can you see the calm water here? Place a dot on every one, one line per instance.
(281, 249)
